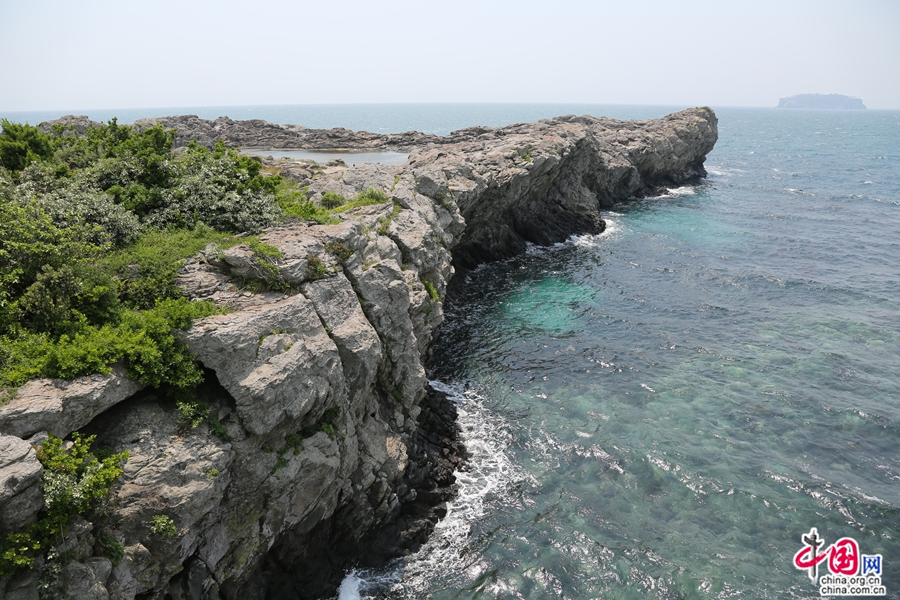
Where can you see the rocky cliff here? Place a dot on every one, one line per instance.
(331, 449)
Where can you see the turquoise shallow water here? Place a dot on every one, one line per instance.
(663, 410)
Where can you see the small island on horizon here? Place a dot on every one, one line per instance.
(821, 101)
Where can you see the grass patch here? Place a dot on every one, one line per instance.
(267, 257)
(315, 268)
(524, 154)
(367, 197)
(432, 291)
(294, 202)
(339, 250)
(146, 269)
(384, 222)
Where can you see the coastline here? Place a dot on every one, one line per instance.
(478, 196)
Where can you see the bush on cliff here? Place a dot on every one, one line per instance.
(93, 229)
(74, 482)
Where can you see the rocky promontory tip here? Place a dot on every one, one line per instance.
(330, 448)
(526, 183)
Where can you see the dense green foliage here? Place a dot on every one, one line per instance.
(93, 229)
(21, 145)
(74, 481)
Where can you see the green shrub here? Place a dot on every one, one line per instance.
(339, 250)
(105, 544)
(93, 228)
(432, 291)
(328, 423)
(191, 412)
(315, 268)
(216, 428)
(162, 525)
(73, 482)
(142, 339)
(293, 441)
(332, 200)
(21, 145)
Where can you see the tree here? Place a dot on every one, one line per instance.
(22, 144)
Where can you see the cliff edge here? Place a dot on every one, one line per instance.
(331, 449)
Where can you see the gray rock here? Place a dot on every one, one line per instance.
(270, 387)
(61, 406)
(86, 580)
(20, 489)
(23, 586)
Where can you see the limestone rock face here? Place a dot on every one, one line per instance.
(543, 182)
(326, 447)
(61, 406)
(20, 477)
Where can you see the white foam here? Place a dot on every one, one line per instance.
(349, 589)
(487, 474)
(613, 227)
(685, 190)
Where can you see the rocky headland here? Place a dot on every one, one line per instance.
(332, 449)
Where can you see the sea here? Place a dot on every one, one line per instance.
(675, 407)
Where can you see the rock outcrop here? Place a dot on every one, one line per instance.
(262, 134)
(328, 447)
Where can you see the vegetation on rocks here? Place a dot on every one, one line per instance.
(74, 482)
(93, 229)
(163, 525)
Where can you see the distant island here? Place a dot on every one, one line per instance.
(821, 101)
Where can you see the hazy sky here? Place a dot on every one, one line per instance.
(64, 54)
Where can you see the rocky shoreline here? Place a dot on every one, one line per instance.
(332, 450)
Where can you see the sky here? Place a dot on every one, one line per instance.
(103, 54)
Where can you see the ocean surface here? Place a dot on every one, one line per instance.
(665, 409)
